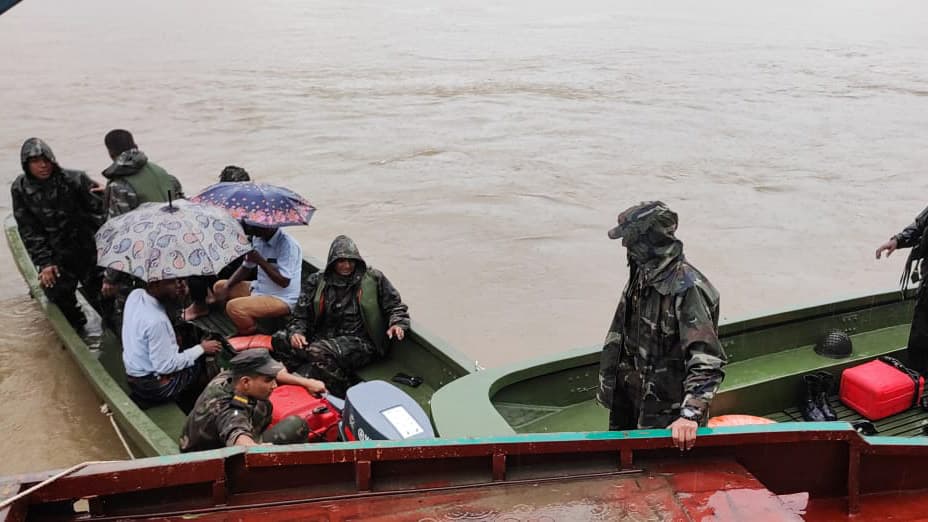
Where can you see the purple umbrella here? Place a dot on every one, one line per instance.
(258, 204)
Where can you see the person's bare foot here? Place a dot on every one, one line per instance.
(195, 310)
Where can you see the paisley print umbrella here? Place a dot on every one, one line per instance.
(165, 241)
(258, 204)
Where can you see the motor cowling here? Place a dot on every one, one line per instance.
(378, 410)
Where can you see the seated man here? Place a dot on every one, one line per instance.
(57, 213)
(234, 409)
(201, 286)
(156, 370)
(279, 260)
(344, 318)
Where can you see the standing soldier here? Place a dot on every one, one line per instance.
(57, 214)
(914, 237)
(131, 181)
(662, 361)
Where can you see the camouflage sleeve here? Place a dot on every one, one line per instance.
(911, 234)
(302, 317)
(91, 202)
(702, 350)
(119, 198)
(396, 312)
(32, 232)
(231, 422)
(609, 358)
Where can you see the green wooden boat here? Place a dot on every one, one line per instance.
(154, 431)
(767, 357)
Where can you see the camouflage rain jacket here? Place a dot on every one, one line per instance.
(914, 237)
(220, 416)
(133, 180)
(57, 217)
(662, 351)
(341, 301)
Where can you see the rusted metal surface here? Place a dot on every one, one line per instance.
(735, 474)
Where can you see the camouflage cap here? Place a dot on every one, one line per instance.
(636, 220)
(255, 361)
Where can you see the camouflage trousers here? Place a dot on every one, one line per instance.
(332, 361)
(917, 348)
(63, 293)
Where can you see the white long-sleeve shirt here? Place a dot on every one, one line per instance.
(149, 345)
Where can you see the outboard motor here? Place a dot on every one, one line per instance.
(377, 410)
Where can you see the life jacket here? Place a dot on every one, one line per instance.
(151, 184)
(371, 314)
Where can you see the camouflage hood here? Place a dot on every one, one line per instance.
(34, 147)
(654, 252)
(344, 248)
(126, 164)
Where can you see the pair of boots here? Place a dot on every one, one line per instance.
(815, 405)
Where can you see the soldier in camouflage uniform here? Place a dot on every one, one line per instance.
(345, 318)
(57, 213)
(662, 361)
(914, 237)
(131, 181)
(234, 409)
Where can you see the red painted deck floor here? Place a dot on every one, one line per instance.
(721, 490)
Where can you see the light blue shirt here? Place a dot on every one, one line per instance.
(286, 254)
(149, 345)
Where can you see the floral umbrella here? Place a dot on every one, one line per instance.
(258, 204)
(165, 241)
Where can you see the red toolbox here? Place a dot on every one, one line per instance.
(879, 389)
(321, 417)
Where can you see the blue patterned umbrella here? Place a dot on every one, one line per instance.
(258, 204)
(161, 241)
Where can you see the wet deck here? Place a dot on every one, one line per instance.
(906, 424)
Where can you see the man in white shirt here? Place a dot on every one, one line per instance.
(156, 369)
(279, 261)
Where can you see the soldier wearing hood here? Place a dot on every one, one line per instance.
(57, 213)
(345, 318)
(914, 237)
(131, 181)
(662, 361)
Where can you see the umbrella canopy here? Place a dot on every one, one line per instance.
(161, 241)
(258, 204)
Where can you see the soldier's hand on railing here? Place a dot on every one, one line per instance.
(683, 432)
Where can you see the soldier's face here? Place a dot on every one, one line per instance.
(344, 267)
(40, 167)
(259, 386)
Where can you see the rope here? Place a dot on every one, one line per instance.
(105, 410)
(49, 480)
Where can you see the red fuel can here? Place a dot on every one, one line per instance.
(321, 417)
(877, 390)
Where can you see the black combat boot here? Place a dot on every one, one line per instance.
(810, 408)
(826, 381)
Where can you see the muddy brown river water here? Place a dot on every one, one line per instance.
(478, 152)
